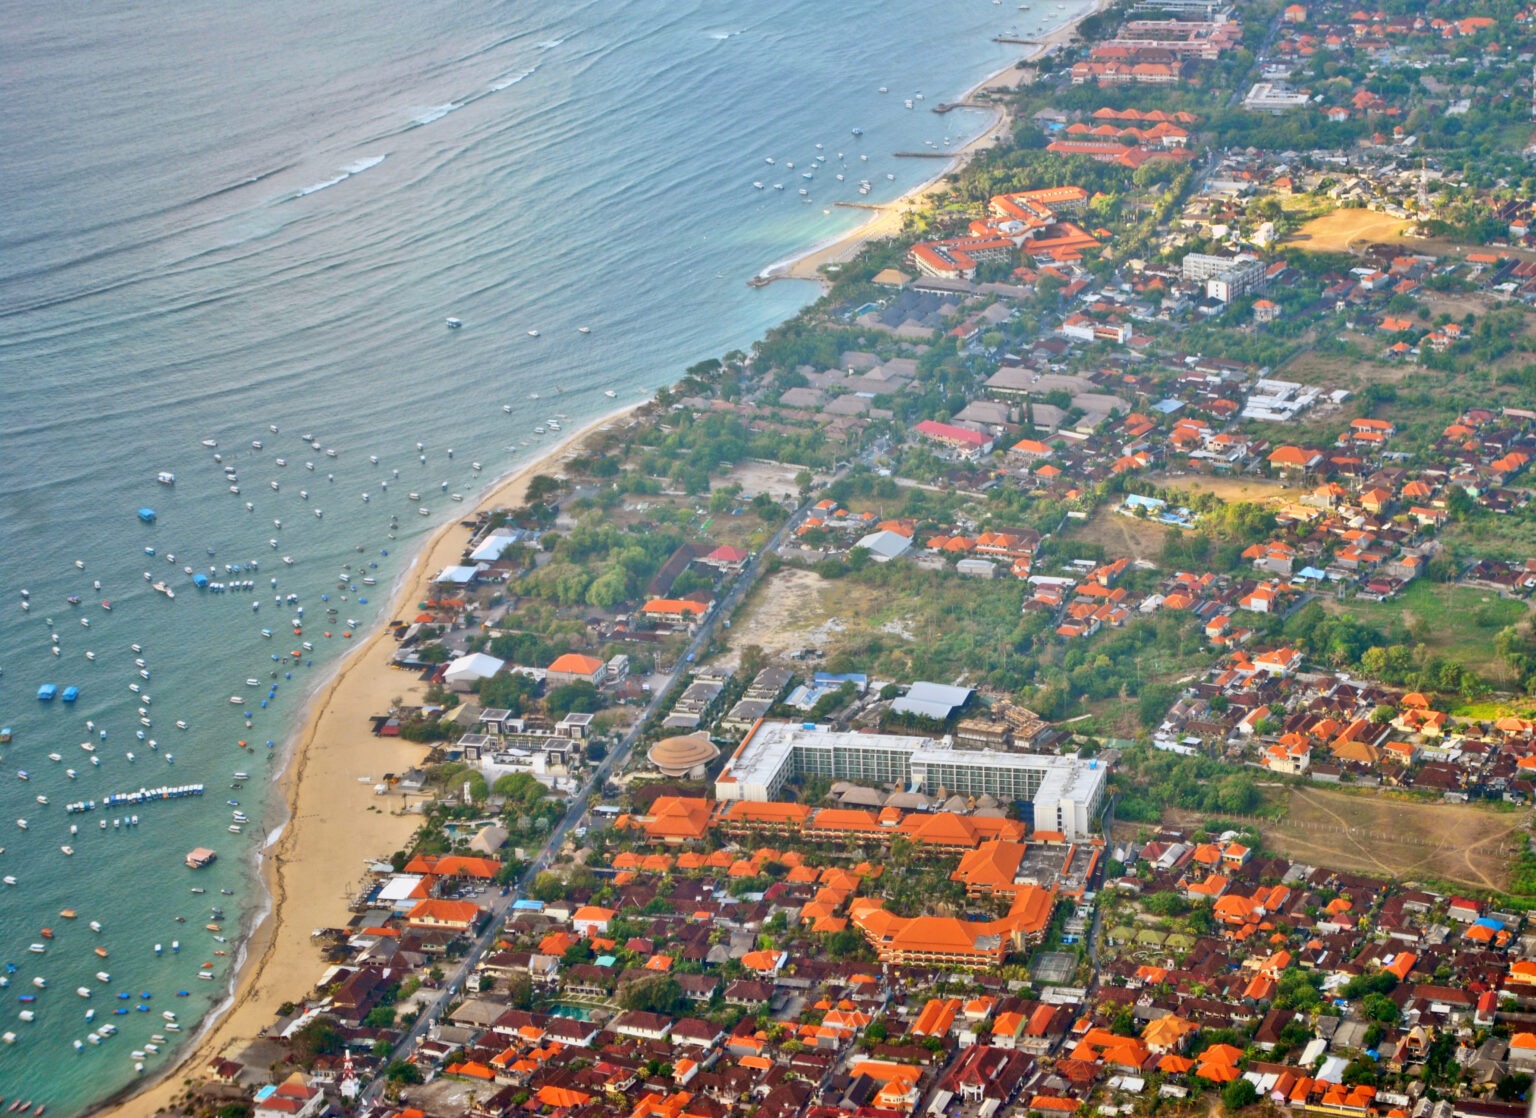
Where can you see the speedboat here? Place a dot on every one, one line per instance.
(533, 333)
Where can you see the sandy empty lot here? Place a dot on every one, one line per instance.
(791, 610)
(1344, 230)
(1388, 836)
(1121, 535)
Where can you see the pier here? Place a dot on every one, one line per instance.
(877, 207)
(1014, 41)
(925, 154)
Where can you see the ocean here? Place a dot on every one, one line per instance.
(247, 224)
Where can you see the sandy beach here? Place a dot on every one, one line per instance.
(334, 821)
(889, 217)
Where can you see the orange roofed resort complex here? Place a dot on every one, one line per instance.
(1016, 219)
(1065, 793)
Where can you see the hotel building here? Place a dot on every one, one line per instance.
(1066, 794)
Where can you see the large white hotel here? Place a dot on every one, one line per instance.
(1067, 793)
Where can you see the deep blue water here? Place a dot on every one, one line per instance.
(218, 217)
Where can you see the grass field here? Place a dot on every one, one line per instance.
(1343, 230)
(1494, 537)
(1120, 535)
(1392, 836)
(1457, 622)
(1261, 490)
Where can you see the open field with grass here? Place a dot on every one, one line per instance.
(1343, 230)
(1494, 537)
(1260, 490)
(1457, 622)
(1119, 535)
(1387, 835)
(1332, 370)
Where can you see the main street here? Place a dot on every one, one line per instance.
(453, 982)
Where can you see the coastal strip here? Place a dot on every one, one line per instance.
(334, 819)
(890, 216)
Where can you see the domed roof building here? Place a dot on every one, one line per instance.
(684, 756)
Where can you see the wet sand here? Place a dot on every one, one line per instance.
(335, 821)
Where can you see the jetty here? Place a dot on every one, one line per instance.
(925, 154)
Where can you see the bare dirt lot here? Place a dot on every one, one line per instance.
(790, 611)
(778, 481)
(1386, 836)
(1345, 229)
(1120, 535)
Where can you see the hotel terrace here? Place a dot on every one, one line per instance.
(1066, 793)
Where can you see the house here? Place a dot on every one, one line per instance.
(294, 1097)
(646, 1026)
(1295, 459)
(961, 441)
(573, 667)
(591, 920)
(458, 916)
(674, 611)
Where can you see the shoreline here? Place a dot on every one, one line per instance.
(306, 859)
(298, 862)
(891, 216)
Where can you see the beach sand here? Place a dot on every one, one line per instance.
(335, 821)
(890, 217)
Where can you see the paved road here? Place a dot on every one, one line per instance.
(453, 982)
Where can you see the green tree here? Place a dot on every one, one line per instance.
(402, 1072)
(1238, 1094)
(578, 696)
(1513, 1087)
(660, 995)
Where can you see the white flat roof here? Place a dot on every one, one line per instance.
(762, 756)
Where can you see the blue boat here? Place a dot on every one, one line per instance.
(70, 694)
(200, 580)
(47, 692)
(147, 515)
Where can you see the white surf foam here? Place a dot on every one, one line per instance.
(435, 113)
(504, 83)
(346, 173)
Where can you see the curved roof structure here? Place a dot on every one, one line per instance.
(677, 756)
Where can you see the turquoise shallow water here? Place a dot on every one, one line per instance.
(222, 217)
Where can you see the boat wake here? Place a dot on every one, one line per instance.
(721, 36)
(347, 172)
